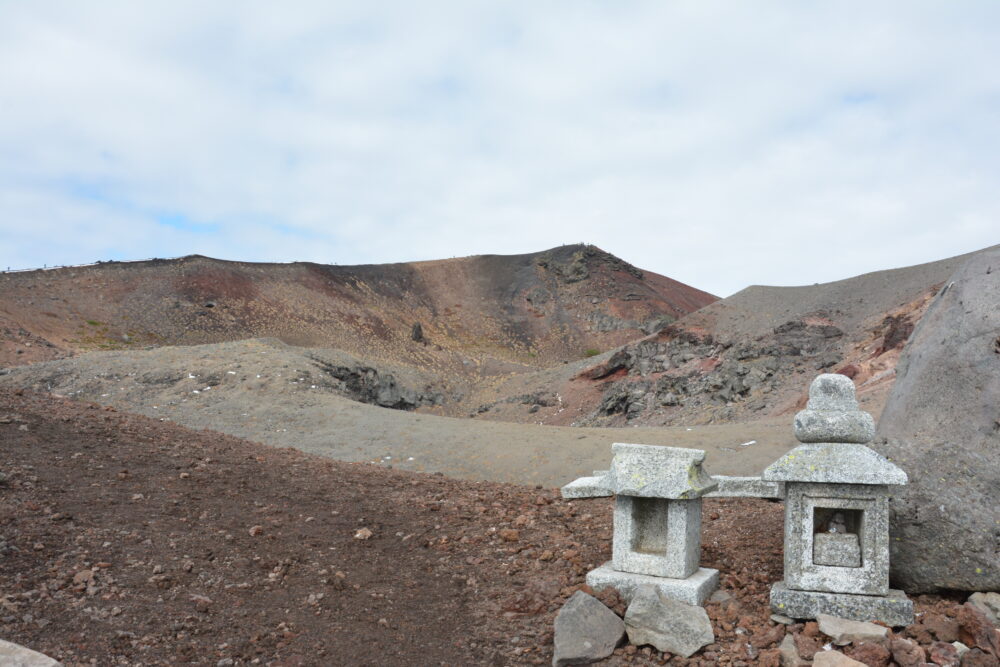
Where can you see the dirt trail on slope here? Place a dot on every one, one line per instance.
(273, 393)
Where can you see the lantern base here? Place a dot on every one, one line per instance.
(693, 590)
(894, 609)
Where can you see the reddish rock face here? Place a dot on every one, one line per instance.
(943, 628)
(944, 654)
(975, 631)
(871, 654)
(907, 653)
(977, 658)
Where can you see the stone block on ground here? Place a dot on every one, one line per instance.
(893, 610)
(835, 659)
(845, 631)
(693, 590)
(668, 625)
(585, 631)
(14, 655)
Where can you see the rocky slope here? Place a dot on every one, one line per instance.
(487, 313)
(741, 358)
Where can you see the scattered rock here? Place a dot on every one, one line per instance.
(976, 631)
(782, 619)
(989, 604)
(871, 654)
(789, 653)
(977, 658)
(942, 627)
(363, 534)
(944, 654)
(907, 653)
(668, 625)
(844, 631)
(585, 631)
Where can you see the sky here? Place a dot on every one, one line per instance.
(722, 144)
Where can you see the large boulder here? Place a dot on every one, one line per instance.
(941, 424)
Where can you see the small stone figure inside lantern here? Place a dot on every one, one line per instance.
(837, 524)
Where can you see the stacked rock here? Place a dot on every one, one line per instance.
(832, 413)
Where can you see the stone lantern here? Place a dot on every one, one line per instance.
(837, 514)
(657, 522)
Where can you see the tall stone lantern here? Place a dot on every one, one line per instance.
(837, 513)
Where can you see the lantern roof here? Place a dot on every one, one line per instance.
(651, 471)
(834, 463)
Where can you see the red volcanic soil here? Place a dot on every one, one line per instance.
(128, 540)
(534, 309)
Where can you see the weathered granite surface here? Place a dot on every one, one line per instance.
(832, 413)
(14, 655)
(745, 487)
(693, 590)
(585, 631)
(893, 609)
(669, 625)
(598, 485)
(821, 426)
(656, 536)
(803, 503)
(650, 471)
(940, 423)
(834, 463)
(836, 550)
(586, 487)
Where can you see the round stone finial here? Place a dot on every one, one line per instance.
(832, 413)
(832, 391)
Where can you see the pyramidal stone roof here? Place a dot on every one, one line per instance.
(833, 432)
(834, 463)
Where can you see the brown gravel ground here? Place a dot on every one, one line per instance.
(131, 541)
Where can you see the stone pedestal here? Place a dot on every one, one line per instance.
(892, 609)
(693, 589)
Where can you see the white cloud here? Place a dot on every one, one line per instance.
(720, 144)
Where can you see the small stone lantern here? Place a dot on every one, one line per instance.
(657, 523)
(837, 514)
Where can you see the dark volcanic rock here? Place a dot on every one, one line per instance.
(942, 425)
